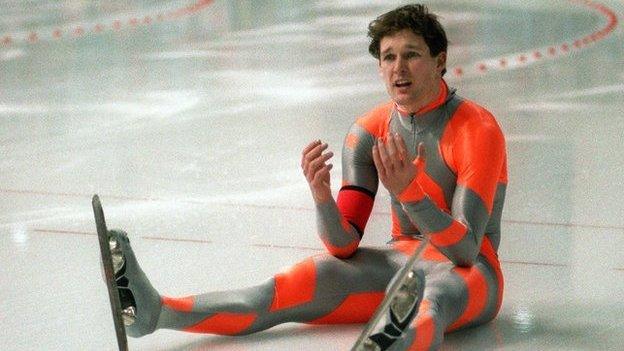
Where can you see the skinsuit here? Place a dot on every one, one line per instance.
(457, 196)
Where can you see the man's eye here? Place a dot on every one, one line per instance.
(388, 57)
(412, 54)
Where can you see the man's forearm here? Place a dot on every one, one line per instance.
(340, 237)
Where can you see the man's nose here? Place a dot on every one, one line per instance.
(400, 65)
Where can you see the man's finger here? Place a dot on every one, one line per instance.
(390, 144)
(393, 153)
(421, 151)
(402, 149)
(383, 156)
(314, 152)
(400, 152)
(377, 160)
(319, 162)
(419, 162)
(310, 146)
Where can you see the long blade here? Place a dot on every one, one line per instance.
(109, 274)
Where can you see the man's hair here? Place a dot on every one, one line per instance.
(416, 18)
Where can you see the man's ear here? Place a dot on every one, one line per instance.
(441, 61)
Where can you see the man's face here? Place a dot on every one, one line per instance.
(409, 71)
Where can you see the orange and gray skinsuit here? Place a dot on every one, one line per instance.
(458, 200)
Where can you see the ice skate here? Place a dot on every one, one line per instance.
(140, 302)
(397, 318)
(398, 308)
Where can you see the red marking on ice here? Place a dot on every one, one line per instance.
(563, 48)
(78, 31)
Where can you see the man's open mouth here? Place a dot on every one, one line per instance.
(402, 83)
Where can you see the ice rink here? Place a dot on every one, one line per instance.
(188, 119)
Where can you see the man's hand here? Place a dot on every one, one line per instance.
(316, 171)
(395, 171)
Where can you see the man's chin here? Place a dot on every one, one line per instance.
(403, 102)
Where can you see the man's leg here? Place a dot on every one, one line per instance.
(454, 298)
(319, 290)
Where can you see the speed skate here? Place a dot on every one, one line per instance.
(397, 309)
(108, 263)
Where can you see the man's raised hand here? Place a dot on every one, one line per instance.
(395, 170)
(316, 170)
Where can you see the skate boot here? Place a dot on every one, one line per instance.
(140, 302)
(402, 311)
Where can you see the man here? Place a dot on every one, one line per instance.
(442, 158)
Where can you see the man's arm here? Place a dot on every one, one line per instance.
(341, 223)
(457, 235)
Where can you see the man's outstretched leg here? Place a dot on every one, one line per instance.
(319, 290)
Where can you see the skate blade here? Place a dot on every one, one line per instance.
(109, 273)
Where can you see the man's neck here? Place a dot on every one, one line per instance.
(435, 98)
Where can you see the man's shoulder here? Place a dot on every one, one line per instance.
(375, 121)
(471, 114)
